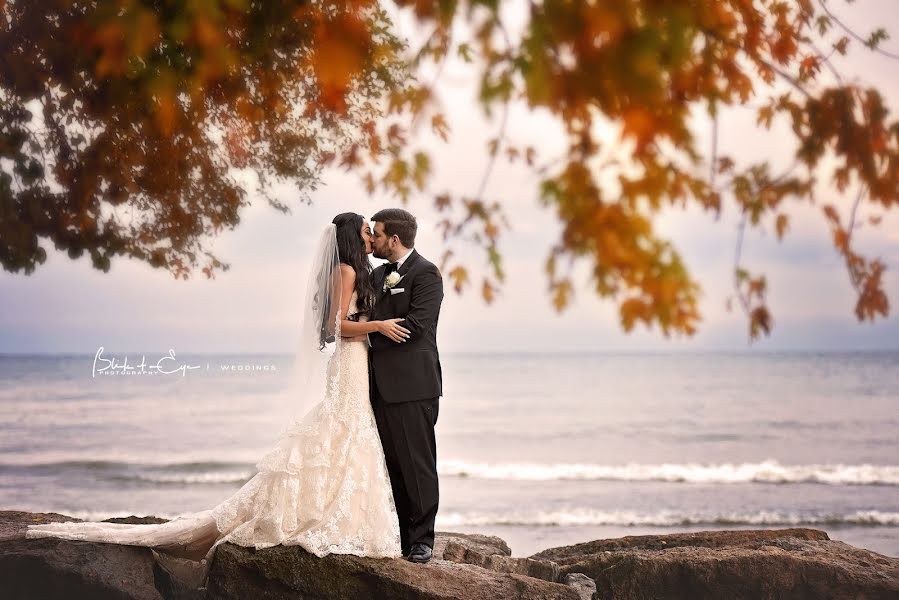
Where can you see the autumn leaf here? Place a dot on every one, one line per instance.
(840, 45)
(488, 292)
(831, 213)
(396, 135)
(808, 67)
(757, 287)
(781, 225)
(464, 51)
(459, 275)
(631, 310)
(561, 293)
(760, 322)
(438, 124)
(639, 124)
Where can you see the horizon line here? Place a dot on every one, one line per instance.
(61, 353)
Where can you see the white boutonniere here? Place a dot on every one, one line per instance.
(391, 280)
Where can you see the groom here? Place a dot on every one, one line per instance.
(406, 382)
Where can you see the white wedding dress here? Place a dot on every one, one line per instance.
(324, 486)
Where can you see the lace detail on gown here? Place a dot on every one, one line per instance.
(324, 486)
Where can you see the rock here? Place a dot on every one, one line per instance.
(783, 563)
(54, 568)
(708, 539)
(494, 554)
(285, 572)
(49, 568)
(583, 585)
(179, 578)
(484, 544)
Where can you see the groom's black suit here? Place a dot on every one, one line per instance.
(406, 385)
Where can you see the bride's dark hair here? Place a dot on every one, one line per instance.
(351, 251)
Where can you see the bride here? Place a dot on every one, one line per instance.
(324, 486)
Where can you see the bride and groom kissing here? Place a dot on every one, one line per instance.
(357, 472)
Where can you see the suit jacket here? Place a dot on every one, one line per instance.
(409, 370)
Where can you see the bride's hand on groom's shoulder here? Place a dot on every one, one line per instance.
(393, 330)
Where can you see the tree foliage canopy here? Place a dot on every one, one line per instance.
(134, 92)
(121, 121)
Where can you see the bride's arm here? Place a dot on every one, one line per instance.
(351, 329)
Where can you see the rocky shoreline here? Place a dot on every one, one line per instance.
(732, 564)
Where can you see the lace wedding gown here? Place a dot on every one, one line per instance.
(324, 486)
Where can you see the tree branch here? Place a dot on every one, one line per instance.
(853, 34)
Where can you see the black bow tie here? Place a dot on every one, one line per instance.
(391, 267)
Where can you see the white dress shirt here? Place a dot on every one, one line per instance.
(401, 260)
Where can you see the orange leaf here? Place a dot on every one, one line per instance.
(459, 276)
(438, 124)
(639, 124)
(488, 292)
(561, 294)
(781, 225)
(831, 213)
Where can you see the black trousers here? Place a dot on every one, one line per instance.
(410, 450)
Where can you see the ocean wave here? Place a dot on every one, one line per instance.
(210, 477)
(767, 471)
(666, 518)
(194, 472)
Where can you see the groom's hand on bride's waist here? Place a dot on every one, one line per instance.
(424, 304)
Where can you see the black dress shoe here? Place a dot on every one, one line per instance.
(421, 553)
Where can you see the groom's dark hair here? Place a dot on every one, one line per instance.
(398, 222)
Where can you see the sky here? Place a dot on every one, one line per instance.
(67, 306)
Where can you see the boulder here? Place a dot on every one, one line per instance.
(50, 568)
(492, 553)
(583, 585)
(782, 563)
(285, 572)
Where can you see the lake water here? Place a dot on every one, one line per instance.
(542, 450)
